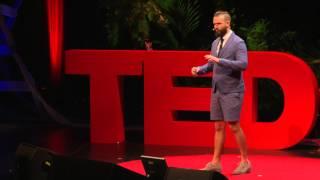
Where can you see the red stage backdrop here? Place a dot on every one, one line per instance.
(161, 97)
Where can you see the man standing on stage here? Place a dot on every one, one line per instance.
(227, 60)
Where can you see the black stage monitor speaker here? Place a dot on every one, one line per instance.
(192, 174)
(31, 162)
(155, 167)
(35, 163)
(74, 168)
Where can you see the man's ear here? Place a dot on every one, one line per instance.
(228, 23)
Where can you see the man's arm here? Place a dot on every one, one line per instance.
(205, 68)
(241, 61)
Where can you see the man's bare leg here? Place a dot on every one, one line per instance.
(244, 166)
(241, 140)
(219, 138)
(215, 163)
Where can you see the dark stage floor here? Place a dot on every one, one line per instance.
(74, 142)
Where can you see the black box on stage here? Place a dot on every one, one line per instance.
(156, 168)
(73, 168)
(35, 163)
(31, 162)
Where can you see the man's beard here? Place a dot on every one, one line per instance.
(221, 33)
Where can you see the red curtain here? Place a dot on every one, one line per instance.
(55, 28)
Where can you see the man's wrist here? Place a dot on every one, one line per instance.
(197, 69)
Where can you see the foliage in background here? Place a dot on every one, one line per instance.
(256, 35)
(183, 19)
(127, 23)
(168, 23)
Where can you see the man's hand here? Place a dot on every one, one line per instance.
(211, 58)
(194, 71)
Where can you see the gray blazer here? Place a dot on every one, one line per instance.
(227, 74)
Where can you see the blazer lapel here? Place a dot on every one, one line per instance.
(227, 45)
(215, 48)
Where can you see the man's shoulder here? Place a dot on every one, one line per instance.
(236, 38)
(215, 40)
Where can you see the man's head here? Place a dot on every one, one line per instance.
(221, 23)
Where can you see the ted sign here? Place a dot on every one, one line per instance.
(162, 97)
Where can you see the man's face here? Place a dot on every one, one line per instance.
(220, 25)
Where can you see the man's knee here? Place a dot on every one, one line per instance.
(235, 127)
(219, 126)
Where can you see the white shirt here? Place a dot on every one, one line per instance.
(225, 39)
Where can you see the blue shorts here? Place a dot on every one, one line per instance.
(226, 106)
